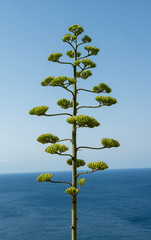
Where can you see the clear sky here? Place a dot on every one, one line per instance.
(30, 31)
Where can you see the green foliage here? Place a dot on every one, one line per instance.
(64, 103)
(108, 143)
(106, 100)
(58, 81)
(45, 177)
(88, 63)
(54, 57)
(97, 165)
(41, 110)
(69, 38)
(76, 29)
(47, 81)
(86, 39)
(72, 191)
(92, 50)
(102, 87)
(85, 74)
(66, 38)
(83, 121)
(77, 62)
(70, 53)
(79, 162)
(47, 138)
(78, 54)
(72, 80)
(81, 181)
(56, 148)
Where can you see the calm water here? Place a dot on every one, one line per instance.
(112, 205)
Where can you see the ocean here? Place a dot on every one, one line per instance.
(112, 205)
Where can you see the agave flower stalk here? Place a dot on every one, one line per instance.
(81, 69)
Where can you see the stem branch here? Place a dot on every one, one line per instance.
(89, 107)
(51, 115)
(94, 170)
(60, 182)
(90, 147)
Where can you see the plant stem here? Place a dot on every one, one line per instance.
(74, 157)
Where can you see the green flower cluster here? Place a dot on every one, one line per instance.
(72, 191)
(108, 143)
(84, 74)
(68, 38)
(47, 81)
(81, 181)
(97, 165)
(79, 162)
(41, 110)
(47, 138)
(45, 177)
(92, 50)
(77, 62)
(72, 80)
(58, 81)
(83, 121)
(54, 57)
(56, 148)
(64, 103)
(102, 87)
(86, 39)
(76, 29)
(71, 54)
(106, 100)
(86, 62)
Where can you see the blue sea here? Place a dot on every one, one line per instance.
(112, 205)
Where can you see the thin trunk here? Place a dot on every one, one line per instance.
(74, 154)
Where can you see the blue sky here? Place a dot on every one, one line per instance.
(30, 31)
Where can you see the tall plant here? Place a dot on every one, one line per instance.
(83, 64)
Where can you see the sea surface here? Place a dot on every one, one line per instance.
(112, 205)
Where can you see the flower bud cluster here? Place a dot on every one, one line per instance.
(58, 81)
(81, 181)
(83, 121)
(79, 162)
(92, 50)
(65, 103)
(86, 39)
(106, 100)
(69, 38)
(45, 177)
(54, 57)
(97, 165)
(102, 87)
(84, 74)
(108, 143)
(47, 81)
(72, 191)
(76, 29)
(56, 148)
(40, 110)
(71, 54)
(47, 138)
(86, 62)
